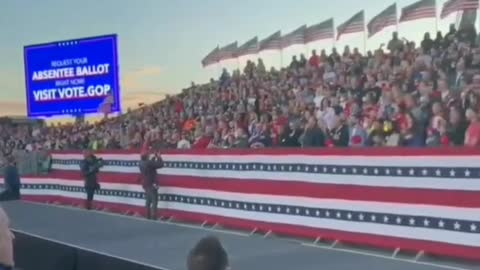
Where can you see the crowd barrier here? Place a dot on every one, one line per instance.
(422, 200)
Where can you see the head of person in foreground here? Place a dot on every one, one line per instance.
(208, 254)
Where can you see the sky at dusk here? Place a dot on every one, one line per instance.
(161, 43)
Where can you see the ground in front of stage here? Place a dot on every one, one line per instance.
(165, 245)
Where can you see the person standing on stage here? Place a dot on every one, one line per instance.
(90, 167)
(12, 181)
(148, 172)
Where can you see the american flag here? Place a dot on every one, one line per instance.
(227, 52)
(249, 47)
(452, 6)
(384, 19)
(353, 25)
(323, 30)
(211, 58)
(413, 199)
(419, 10)
(297, 36)
(273, 42)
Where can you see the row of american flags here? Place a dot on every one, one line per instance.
(326, 30)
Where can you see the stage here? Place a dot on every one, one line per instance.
(165, 244)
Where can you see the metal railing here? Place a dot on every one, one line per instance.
(30, 163)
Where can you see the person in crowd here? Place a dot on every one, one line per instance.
(313, 136)
(149, 180)
(208, 254)
(395, 44)
(90, 167)
(6, 242)
(314, 60)
(12, 182)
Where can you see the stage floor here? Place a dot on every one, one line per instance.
(165, 245)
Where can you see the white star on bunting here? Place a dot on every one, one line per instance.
(426, 222)
(412, 221)
(457, 226)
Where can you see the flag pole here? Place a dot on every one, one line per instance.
(365, 42)
(396, 17)
(436, 17)
(281, 59)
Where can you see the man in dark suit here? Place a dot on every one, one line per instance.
(12, 181)
(90, 167)
(148, 172)
(208, 254)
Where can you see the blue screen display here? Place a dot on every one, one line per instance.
(73, 77)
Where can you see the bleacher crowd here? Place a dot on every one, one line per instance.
(406, 94)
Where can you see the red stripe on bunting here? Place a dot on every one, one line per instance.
(385, 242)
(455, 198)
(387, 151)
